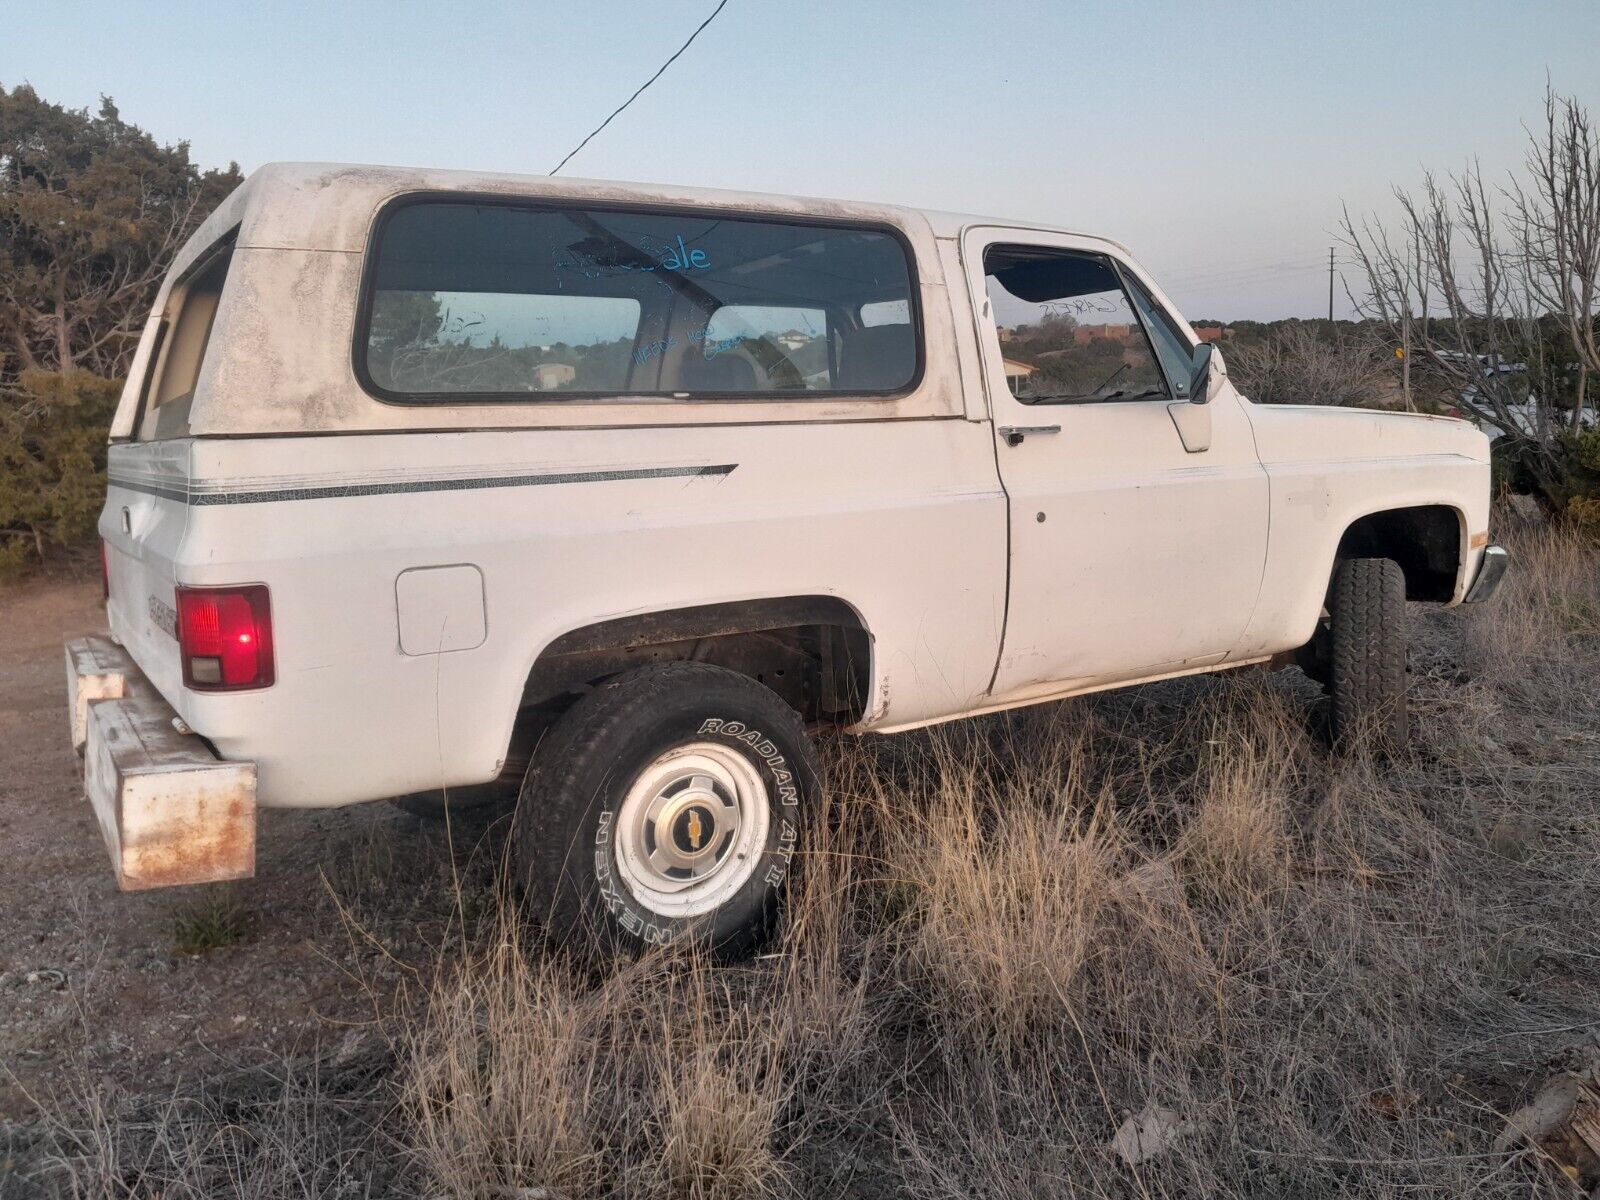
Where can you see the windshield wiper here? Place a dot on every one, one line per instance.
(1124, 394)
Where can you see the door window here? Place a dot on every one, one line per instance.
(1068, 332)
(1172, 348)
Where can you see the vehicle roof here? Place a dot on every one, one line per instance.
(328, 206)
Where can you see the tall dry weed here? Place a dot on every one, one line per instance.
(501, 1076)
(1236, 846)
(1539, 638)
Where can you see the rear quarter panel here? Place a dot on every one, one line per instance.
(904, 521)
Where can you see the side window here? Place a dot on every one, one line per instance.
(191, 310)
(470, 300)
(1068, 331)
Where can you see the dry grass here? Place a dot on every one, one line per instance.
(1236, 845)
(662, 1077)
(1011, 934)
(291, 1129)
(1027, 908)
(1540, 640)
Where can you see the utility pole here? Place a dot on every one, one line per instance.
(1405, 359)
(1330, 285)
(1405, 341)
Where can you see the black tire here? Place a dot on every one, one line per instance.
(568, 830)
(1367, 652)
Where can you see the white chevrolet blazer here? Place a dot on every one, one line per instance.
(441, 485)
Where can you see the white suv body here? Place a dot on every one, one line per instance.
(844, 449)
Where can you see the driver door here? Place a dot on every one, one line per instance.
(1138, 520)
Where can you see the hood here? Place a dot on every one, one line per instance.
(1290, 432)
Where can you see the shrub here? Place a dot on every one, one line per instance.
(52, 461)
(1293, 364)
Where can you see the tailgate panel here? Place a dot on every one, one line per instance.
(144, 523)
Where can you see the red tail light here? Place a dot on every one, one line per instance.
(225, 637)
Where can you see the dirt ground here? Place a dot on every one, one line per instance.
(93, 983)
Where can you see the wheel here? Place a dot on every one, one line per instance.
(1367, 651)
(665, 803)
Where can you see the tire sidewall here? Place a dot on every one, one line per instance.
(591, 887)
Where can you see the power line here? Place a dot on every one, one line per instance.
(1231, 268)
(1229, 275)
(698, 31)
(1206, 278)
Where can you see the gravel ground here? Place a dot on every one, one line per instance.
(95, 984)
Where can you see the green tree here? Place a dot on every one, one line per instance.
(52, 460)
(92, 209)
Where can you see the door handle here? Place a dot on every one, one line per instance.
(1014, 434)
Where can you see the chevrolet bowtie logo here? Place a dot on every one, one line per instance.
(694, 829)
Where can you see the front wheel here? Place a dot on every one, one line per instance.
(1366, 641)
(666, 803)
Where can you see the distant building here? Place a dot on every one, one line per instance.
(1084, 334)
(549, 376)
(1016, 371)
(1210, 333)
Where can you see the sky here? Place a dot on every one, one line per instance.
(1217, 140)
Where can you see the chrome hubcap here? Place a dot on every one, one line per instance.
(691, 829)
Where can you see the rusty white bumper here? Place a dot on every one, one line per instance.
(172, 812)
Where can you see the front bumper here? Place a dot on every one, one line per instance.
(172, 812)
(1491, 570)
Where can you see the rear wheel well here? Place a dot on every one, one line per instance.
(1425, 541)
(813, 651)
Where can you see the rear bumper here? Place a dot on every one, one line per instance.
(1491, 570)
(171, 811)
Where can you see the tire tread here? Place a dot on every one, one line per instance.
(1367, 668)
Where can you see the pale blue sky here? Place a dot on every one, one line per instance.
(1217, 140)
